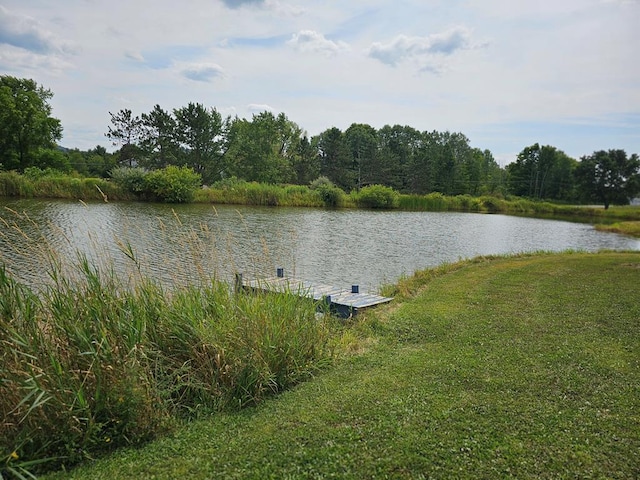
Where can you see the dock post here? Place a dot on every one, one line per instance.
(238, 282)
(280, 272)
(355, 288)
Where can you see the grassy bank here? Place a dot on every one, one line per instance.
(517, 367)
(625, 228)
(301, 196)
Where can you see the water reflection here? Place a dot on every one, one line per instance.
(185, 243)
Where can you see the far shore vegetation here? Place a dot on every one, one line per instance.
(174, 184)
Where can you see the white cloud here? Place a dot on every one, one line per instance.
(273, 5)
(284, 8)
(137, 56)
(25, 32)
(260, 107)
(13, 59)
(312, 41)
(202, 72)
(405, 47)
(242, 3)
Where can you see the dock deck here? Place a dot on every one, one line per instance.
(343, 301)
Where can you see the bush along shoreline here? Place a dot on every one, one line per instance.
(182, 185)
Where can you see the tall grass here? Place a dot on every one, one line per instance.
(239, 192)
(625, 228)
(63, 186)
(435, 202)
(94, 360)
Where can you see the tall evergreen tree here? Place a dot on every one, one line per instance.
(126, 131)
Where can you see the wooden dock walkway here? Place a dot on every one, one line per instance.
(345, 302)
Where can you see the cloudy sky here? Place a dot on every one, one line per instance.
(505, 73)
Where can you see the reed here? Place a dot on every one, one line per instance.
(55, 185)
(239, 192)
(94, 360)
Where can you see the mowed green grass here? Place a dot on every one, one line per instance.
(518, 367)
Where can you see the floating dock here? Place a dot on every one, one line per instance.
(345, 302)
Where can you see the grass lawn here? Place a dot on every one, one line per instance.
(515, 367)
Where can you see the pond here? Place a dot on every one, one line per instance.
(177, 244)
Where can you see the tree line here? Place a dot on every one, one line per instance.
(271, 148)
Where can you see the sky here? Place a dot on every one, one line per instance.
(505, 73)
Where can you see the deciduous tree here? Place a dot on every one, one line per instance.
(265, 148)
(609, 177)
(542, 172)
(26, 124)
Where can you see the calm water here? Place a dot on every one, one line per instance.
(183, 243)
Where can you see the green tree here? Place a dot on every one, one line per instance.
(542, 172)
(363, 145)
(306, 165)
(126, 131)
(26, 124)
(265, 148)
(436, 166)
(100, 162)
(159, 138)
(335, 158)
(397, 147)
(490, 176)
(560, 183)
(200, 133)
(96, 162)
(52, 158)
(609, 177)
(453, 172)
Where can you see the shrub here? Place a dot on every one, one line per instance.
(131, 179)
(493, 205)
(173, 184)
(298, 195)
(330, 195)
(320, 182)
(377, 196)
(36, 173)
